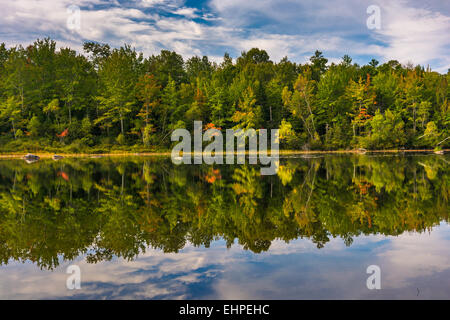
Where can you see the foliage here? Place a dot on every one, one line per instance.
(106, 92)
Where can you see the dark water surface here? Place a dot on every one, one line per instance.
(144, 228)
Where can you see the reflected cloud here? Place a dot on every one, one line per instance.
(287, 271)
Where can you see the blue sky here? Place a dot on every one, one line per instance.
(410, 30)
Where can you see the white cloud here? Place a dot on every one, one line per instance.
(415, 35)
(410, 31)
(187, 12)
(416, 31)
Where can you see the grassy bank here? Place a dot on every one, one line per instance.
(42, 148)
(121, 153)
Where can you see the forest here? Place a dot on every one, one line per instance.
(106, 99)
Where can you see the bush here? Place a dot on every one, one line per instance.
(121, 139)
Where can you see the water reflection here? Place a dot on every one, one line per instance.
(143, 228)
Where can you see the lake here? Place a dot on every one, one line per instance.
(144, 228)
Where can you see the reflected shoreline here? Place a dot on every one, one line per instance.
(117, 207)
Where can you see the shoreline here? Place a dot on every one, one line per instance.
(46, 155)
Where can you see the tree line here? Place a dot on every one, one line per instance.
(113, 98)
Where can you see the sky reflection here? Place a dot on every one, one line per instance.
(413, 266)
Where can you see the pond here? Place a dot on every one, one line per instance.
(144, 228)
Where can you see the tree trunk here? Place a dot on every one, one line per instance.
(121, 122)
(123, 182)
(312, 115)
(21, 96)
(14, 129)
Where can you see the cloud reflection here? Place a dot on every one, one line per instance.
(297, 270)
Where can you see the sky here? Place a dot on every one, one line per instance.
(410, 31)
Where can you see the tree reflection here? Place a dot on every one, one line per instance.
(118, 207)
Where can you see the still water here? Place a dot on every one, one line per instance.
(143, 228)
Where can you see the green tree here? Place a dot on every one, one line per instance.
(318, 65)
(118, 75)
(362, 98)
(34, 126)
(248, 114)
(148, 93)
(386, 131)
(10, 111)
(301, 102)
